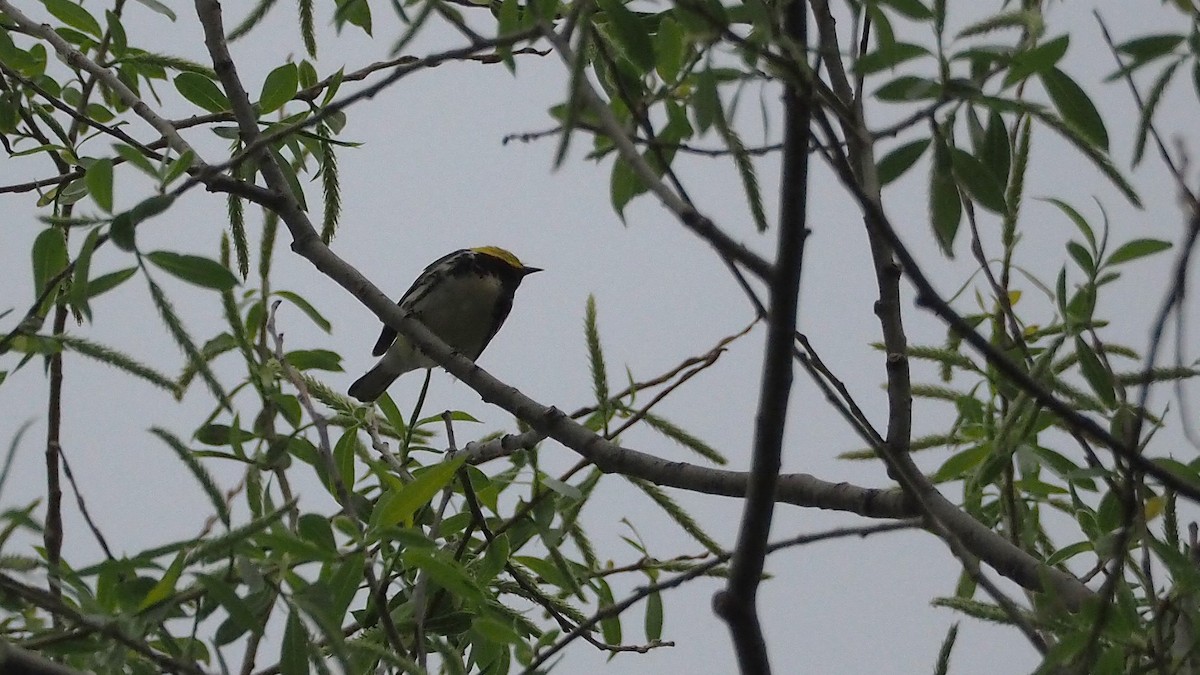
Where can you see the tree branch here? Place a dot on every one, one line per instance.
(17, 661)
(737, 604)
(695, 221)
(76, 59)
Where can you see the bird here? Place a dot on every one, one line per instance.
(463, 298)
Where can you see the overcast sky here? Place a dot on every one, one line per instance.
(433, 176)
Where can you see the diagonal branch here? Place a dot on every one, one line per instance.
(700, 570)
(76, 59)
(686, 213)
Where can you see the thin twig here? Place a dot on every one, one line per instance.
(695, 221)
(700, 570)
(58, 608)
(83, 510)
(76, 59)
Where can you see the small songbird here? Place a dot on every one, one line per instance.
(463, 298)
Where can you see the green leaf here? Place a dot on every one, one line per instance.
(629, 33)
(1186, 473)
(343, 459)
(447, 573)
(68, 194)
(49, 257)
(610, 626)
(99, 179)
(201, 91)
(945, 202)
(165, 587)
(239, 611)
(496, 631)
(983, 186)
(17, 58)
(706, 103)
(159, 7)
(1150, 47)
(654, 616)
(508, 21)
(122, 230)
(293, 653)
(304, 306)
(913, 9)
(1067, 552)
(74, 15)
(1082, 257)
(279, 88)
(107, 282)
(495, 557)
(624, 185)
(83, 268)
(889, 56)
(213, 434)
(178, 167)
(962, 462)
(1109, 512)
(1037, 60)
(1076, 108)
(1076, 218)
(703, 20)
(895, 163)
(672, 47)
(315, 528)
(315, 359)
(908, 88)
(1099, 377)
(392, 414)
(289, 175)
(399, 505)
(565, 489)
(194, 269)
(344, 580)
(355, 13)
(1138, 248)
(996, 150)
(136, 158)
(1097, 155)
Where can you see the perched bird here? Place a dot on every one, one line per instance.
(463, 298)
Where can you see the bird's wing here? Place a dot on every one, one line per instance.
(388, 336)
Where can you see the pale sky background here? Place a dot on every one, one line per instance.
(434, 176)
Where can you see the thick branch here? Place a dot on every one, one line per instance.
(737, 605)
(17, 661)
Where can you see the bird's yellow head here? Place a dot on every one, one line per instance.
(504, 255)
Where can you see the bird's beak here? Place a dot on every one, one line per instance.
(530, 270)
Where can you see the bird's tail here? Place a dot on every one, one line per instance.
(372, 385)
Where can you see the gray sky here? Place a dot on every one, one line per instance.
(434, 176)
